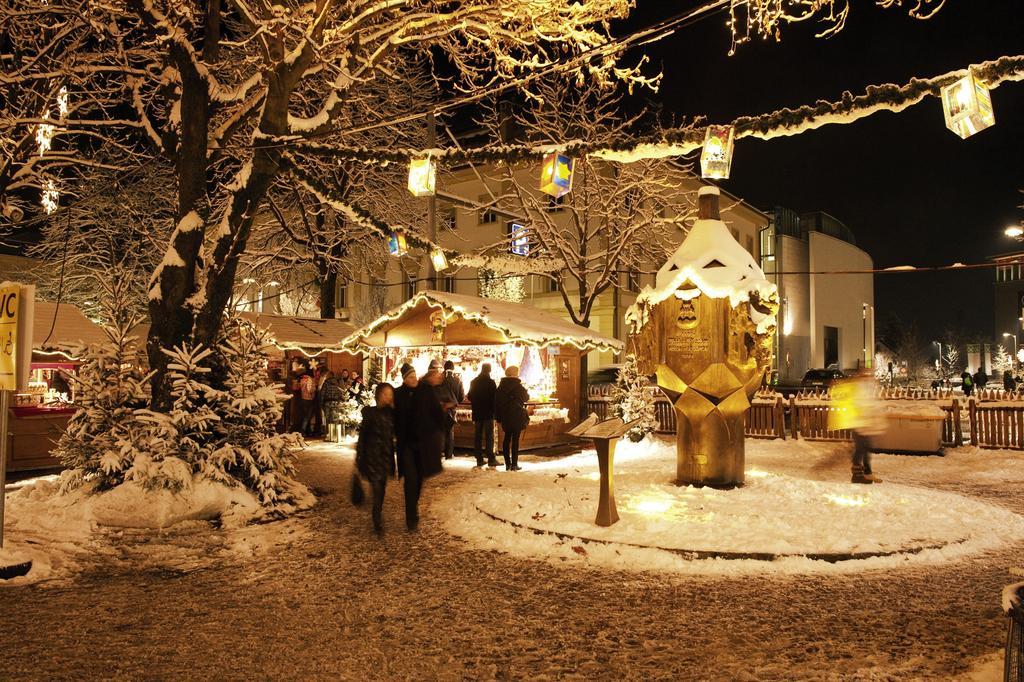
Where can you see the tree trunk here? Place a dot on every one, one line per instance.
(328, 285)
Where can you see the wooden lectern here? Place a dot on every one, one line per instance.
(605, 435)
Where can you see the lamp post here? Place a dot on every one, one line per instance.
(941, 372)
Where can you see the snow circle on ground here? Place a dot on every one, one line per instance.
(774, 523)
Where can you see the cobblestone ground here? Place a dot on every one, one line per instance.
(329, 600)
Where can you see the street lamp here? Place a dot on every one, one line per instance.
(939, 344)
(1014, 231)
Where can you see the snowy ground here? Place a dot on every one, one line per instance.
(320, 597)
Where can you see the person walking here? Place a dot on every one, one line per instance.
(332, 397)
(859, 412)
(510, 400)
(1009, 383)
(481, 397)
(980, 378)
(408, 446)
(375, 449)
(429, 423)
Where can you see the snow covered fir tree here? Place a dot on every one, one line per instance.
(633, 398)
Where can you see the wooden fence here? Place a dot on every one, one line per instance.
(990, 422)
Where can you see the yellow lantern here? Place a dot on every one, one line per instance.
(439, 260)
(422, 177)
(716, 157)
(556, 175)
(397, 245)
(967, 106)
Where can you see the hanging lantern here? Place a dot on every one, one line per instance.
(967, 106)
(438, 259)
(716, 157)
(422, 177)
(397, 246)
(520, 243)
(556, 175)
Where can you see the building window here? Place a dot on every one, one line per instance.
(735, 233)
(341, 294)
(633, 280)
(449, 284)
(767, 244)
(487, 215)
(552, 285)
(750, 244)
(410, 286)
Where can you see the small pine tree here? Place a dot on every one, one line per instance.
(1003, 361)
(633, 399)
(100, 441)
(250, 450)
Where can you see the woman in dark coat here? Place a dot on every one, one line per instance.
(510, 409)
(375, 450)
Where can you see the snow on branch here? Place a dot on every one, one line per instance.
(849, 108)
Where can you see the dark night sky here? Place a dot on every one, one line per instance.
(912, 191)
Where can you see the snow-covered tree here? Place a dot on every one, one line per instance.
(1002, 361)
(102, 438)
(632, 398)
(237, 95)
(619, 220)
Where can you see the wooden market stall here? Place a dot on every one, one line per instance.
(471, 331)
(39, 415)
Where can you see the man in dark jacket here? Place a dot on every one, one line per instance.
(510, 408)
(408, 446)
(429, 420)
(450, 393)
(481, 396)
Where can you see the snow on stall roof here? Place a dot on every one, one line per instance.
(712, 259)
(518, 322)
(302, 332)
(70, 328)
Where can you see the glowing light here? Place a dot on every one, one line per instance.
(716, 157)
(44, 134)
(422, 177)
(556, 175)
(438, 259)
(62, 102)
(755, 473)
(51, 197)
(787, 323)
(397, 244)
(1014, 231)
(967, 106)
(846, 500)
(521, 243)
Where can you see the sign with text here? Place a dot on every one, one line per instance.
(15, 335)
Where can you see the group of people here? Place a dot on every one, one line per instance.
(410, 429)
(319, 394)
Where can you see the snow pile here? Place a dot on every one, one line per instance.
(714, 264)
(774, 516)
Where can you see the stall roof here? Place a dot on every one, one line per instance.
(305, 333)
(470, 320)
(70, 327)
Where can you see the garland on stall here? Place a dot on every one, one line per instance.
(680, 141)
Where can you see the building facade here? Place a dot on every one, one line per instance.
(825, 319)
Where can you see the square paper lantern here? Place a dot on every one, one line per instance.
(397, 245)
(520, 242)
(438, 259)
(967, 106)
(716, 157)
(422, 177)
(556, 175)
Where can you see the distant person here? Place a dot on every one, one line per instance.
(859, 411)
(307, 401)
(344, 380)
(332, 397)
(966, 383)
(510, 400)
(481, 397)
(980, 378)
(457, 396)
(375, 450)
(1009, 383)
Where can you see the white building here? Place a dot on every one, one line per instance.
(826, 320)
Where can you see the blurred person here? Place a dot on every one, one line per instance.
(375, 449)
(859, 410)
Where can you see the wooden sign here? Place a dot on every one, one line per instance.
(581, 428)
(610, 428)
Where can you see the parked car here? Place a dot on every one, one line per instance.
(817, 379)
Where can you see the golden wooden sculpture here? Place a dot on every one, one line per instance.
(705, 330)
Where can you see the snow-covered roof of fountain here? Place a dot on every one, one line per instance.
(712, 259)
